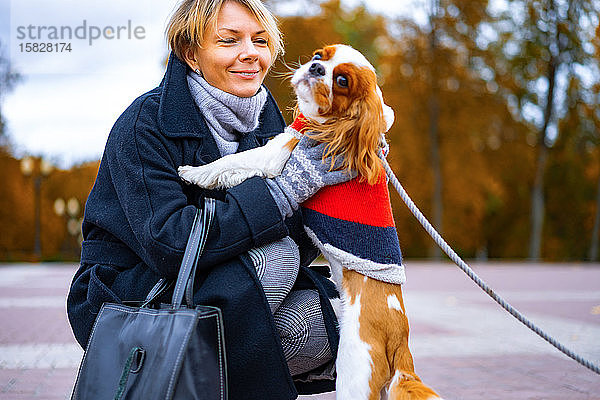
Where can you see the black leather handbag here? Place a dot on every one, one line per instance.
(159, 351)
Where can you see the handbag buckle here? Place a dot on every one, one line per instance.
(137, 360)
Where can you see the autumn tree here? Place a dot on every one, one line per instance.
(479, 142)
(573, 170)
(476, 131)
(539, 44)
(18, 211)
(593, 115)
(8, 79)
(435, 33)
(453, 24)
(330, 24)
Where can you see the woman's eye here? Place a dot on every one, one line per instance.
(226, 40)
(317, 56)
(261, 41)
(342, 81)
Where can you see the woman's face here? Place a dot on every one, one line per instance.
(236, 57)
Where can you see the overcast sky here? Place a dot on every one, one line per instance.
(67, 101)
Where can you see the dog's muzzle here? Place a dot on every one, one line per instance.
(317, 70)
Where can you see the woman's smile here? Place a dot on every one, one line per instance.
(247, 74)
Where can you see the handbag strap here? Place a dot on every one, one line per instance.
(209, 212)
(161, 287)
(193, 251)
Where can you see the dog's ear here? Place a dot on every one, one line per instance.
(355, 137)
(372, 122)
(388, 113)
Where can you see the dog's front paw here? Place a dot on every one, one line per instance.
(183, 172)
(200, 176)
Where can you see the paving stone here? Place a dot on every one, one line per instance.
(464, 345)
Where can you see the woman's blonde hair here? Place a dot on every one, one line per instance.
(191, 21)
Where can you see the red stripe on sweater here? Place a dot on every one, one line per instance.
(299, 123)
(355, 201)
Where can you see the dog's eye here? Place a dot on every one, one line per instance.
(342, 81)
(317, 56)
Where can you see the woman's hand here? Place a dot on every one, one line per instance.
(306, 172)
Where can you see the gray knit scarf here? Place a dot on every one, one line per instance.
(227, 116)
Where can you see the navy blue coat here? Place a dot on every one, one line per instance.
(137, 221)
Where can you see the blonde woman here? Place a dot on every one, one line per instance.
(280, 329)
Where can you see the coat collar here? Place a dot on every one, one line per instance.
(177, 114)
(179, 117)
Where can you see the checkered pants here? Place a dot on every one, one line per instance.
(297, 313)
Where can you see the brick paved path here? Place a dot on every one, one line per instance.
(464, 345)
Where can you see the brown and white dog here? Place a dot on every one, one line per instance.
(338, 95)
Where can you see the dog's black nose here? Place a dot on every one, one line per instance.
(317, 69)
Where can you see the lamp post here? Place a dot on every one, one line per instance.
(38, 169)
(70, 210)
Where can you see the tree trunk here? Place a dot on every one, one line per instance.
(593, 255)
(434, 143)
(538, 206)
(537, 192)
(436, 204)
